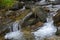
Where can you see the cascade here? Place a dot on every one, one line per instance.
(47, 30)
(16, 34)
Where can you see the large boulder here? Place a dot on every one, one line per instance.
(40, 13)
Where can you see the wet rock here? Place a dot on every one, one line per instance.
(29, 20)
(29, 0)
(58, 31)
(54, 2)
(54, 38)
(42, 2)
(28, 35)
(28, 7)
(57, 18)
(40, 13)
(3, 29)
(46, 9)
(36, 26)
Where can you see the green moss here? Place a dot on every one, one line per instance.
(7, 3)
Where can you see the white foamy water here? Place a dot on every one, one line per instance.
(42, 2)
(22, 8)
(16, 34)
(57, 6)
(47, 30)
(49, 6)
(53, 9)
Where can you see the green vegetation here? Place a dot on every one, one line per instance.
(7, 3)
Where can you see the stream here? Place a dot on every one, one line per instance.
(46, 31)
(15, 33)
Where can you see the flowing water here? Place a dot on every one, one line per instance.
(48, 29)
(16, 33)
(16, 26)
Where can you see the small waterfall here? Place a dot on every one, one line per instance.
(23, 8)
(16, 26)
(49, 18)
(47, 30)
(16, 34)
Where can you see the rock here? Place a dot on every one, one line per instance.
(57, 18)
(54, 2)
(17, 6)
(40, 13)
(28, 35)
(46, 9)
(28, 7)
(36, 26)
(54, 38)
(58, 31)
(57, 6)
(42, 2)
(1, 7)
(29, 20)
(29, 0)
